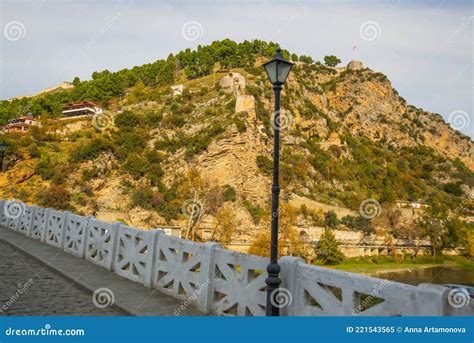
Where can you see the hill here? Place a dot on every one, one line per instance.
(348, 137)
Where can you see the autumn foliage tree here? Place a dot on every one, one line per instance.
(288, 238)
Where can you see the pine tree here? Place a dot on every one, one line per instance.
(328, 250)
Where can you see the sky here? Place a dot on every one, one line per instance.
(424, 47)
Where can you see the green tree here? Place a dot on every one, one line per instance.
(442, 227)
(306, 59)
(331, 60)
(330, 220)
(327, 249)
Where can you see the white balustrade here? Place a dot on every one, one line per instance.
(220, 281)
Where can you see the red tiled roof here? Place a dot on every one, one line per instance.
(82, 104)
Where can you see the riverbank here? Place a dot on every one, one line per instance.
(380, 264)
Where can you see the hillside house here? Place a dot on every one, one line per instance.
(21, 124)
(85, 108)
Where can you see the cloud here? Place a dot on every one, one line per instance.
(424, 47)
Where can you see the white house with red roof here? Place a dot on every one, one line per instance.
(84, 108)
(21, 124)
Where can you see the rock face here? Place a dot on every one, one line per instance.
(231, 161)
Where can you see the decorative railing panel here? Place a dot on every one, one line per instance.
(55, 228)
(39, 223)
(239, 284)
(24, 224)
(180, 269)
(135, 254)
(326, 292)
(75, 234)
(100, 242)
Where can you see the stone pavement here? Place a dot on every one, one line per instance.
(43, 291)
(38, 279)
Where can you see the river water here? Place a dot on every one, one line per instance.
(437, 275)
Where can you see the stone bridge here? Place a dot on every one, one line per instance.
(154, 269)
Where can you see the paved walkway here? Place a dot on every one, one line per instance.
(62, 284)
(43, 291)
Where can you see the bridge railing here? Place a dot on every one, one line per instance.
(217, 280)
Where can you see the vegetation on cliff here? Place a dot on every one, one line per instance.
(350, 137)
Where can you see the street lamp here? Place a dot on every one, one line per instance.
(3, 147)
(277, 70)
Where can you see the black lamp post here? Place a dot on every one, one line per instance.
(3, 147)
(277, 70)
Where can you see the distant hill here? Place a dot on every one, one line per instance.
(61, 86)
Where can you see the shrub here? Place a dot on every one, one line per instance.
(55, 196)
(90, 173)
(33, 150)
(265, 164)
(142, 197)
(228, 193)
(330, 220)
(256, 212)
(127, 121)
(200, 141)
(153, 119)
(91, 149)
(241, 127)
(136, 165)
(453, 188)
